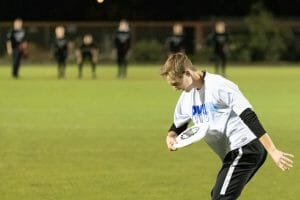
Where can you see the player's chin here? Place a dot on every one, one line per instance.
(187, 89)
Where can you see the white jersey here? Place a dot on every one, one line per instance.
(219, 103)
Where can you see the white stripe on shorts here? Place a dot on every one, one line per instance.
(230, 172)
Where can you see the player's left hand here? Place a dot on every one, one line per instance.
(24, 49)
(283, 160)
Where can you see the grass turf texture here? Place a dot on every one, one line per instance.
(105, 138)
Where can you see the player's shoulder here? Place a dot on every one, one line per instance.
(215, 81)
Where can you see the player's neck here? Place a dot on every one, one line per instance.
(199, 80)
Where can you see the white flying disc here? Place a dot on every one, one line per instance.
(191, 135)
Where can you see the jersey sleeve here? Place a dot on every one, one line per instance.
(250, 118)
(230, 95)
(181, 116)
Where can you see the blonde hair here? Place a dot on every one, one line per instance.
(175, 67)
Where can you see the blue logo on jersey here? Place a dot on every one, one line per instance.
(200, 112)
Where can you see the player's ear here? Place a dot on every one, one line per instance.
(187, 72)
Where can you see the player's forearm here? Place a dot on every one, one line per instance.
(172, 134)
(8, 46)
(267, 143)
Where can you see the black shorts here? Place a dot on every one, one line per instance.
(239, 166)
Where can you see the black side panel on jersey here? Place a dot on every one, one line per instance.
(250, 119)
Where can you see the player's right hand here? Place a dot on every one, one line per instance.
(171, 140)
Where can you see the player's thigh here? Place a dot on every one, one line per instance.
(237, 170)
(231, 181)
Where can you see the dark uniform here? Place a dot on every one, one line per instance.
(176, 43)
(17, 39)
(87, 55)
(61, 53)
(122, 43)
(220, 41)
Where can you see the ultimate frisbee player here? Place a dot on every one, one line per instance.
(176, 42)
(122, 44)
(235, 133)
(61, 50)
(220, 40)
(17, 45)
(87, 52)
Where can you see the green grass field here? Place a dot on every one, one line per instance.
(104, 139)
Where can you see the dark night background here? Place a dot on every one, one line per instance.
(112, 10)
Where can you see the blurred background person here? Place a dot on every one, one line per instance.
(220, 41)
(176, 41)
(122, 44)
(60, 50)
(87, 52)
(17, 45)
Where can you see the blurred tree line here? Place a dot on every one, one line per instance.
(264, 41)
(261, 40)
